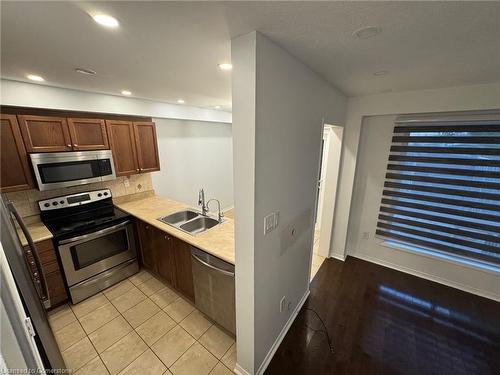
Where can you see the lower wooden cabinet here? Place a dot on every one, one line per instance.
(50, 268)
(168, 257)
(184, 272)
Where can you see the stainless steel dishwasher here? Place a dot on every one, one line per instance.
(214, 288)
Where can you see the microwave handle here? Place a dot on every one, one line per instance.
(41, 281)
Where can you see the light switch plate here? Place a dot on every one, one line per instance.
(269, 221)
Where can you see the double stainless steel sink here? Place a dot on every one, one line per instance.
(190, 221)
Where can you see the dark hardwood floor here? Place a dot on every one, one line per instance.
(387, 322)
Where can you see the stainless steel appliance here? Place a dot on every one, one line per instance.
(214, 288)
(54, 170)
(23, 298)
(95, 241)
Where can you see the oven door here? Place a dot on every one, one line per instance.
(88, 255)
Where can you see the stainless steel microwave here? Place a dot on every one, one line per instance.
(54, 170)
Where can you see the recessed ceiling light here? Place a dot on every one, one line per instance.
(181, 101)
(381, 73)
(126, 92)
(105, 20)
(225, 66)
(34, 77)
(366, 32)
(88, 72)
(217, 107)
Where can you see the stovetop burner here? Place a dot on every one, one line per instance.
(73, 215)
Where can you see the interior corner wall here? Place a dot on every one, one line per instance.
(365, 156)
(462, 98)
(194, 154)
(291, 105)
(374, 146)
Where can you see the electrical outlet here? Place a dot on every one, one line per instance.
(282, 304)
(365, 235)
(126, 182)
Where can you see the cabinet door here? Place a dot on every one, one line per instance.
(51, 270)
(88, 134)
(147, 245)
(122, 142)
(147, 146)
(15, 170)
(45, 134)
(184, 272)
(165, 257)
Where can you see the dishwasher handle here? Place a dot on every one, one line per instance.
(227, 273)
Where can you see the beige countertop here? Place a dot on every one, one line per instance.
(37, 230)
(218, 241)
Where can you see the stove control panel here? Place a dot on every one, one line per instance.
(73, 200)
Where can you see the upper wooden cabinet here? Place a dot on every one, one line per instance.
(53, 134)
(45, 134)
(88, 134)
(123, 145)
(134, 145)
(147, 146)
(15, 170)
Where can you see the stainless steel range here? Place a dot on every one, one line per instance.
(95, 241)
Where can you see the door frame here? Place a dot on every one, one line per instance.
(330, 187)
(327, 131)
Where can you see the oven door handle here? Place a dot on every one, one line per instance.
(95, 234)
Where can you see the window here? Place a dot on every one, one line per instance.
(442, 186)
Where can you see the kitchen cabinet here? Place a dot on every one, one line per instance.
(134, 145)
(184, 272)
(146, 239)
(168, 257)
(15, 171)
(165, 261)
(45, 133)
(50, 268)
(123, 144)
(53, 134)
(147, 146)
(88, 134)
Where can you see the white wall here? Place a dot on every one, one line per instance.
(476, 97)
(193, 155)
(277, 164)
(375, 142)
(43, 96)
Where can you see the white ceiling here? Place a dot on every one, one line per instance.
(165, 51)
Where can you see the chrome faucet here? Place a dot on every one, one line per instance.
(221, 215)
(201, 202)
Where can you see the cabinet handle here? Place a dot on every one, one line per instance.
(137, 169)
(75, 144)
(68, 145)
(147, 226)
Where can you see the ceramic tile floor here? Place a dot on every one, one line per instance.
(317, 259)
(140, 326)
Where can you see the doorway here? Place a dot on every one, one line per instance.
(331, 146)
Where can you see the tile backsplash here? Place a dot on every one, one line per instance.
(26, 201)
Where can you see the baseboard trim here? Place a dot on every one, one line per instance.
(338, 256)
(282, 334)
(424, 275)
(238, 370)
